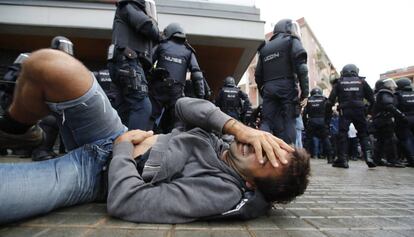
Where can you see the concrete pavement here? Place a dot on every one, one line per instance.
(338, 202)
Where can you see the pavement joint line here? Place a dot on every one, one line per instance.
(264, 228)
(399, 216)
(299, 228)
(192, 228)
(171, 231)
(79, 214)
(373, 216)
(333, 228)
(58, 226)
(397, 228)
(227, 228)
(42, 232)
(96, 227)
(365, 228)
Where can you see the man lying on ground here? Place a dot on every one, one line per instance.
(187, 175)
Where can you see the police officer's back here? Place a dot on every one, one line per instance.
(134, 34)
(173, 58)
(281, 63)
(351, 90)
(231, 100)
(316, 119)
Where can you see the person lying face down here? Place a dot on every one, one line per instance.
(191, 173)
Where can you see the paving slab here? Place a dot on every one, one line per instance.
(338, 202)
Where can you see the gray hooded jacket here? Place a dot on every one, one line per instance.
(183, 179)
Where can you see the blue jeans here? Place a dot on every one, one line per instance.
(88, 126)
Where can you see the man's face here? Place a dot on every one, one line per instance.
(245, 159)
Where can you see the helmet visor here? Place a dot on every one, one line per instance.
(390, 84)
(21, 58)
(295, 30)
(151, 10)
(66, 46)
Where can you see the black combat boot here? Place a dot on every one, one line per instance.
(45, 150)
(367, 152)
(341, 161)
(392, 161)
(330, 159)
(410, 161)
(395, 164)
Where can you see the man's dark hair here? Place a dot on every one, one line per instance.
(291, 184)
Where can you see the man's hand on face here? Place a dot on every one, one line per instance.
(260, 140)
(134, 136)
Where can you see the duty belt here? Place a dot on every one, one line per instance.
(171, 82)
(281, 77)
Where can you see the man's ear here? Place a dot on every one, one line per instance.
(250, 185)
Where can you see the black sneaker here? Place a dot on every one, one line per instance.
(32, 138)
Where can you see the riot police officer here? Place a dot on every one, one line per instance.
(350, 90)
(6, 91)
(173, 57)
(134, 34)
(231, 100)
(9, 80)
(384, 114)
(281, 62)
(405, 130)
(316, 120)
(48, 124)
(111, 90)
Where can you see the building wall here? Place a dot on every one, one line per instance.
(398, 73)
(321, 69)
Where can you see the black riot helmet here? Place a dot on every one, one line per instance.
(404, 84)
(229, 81)
(350, 70)
(287, 26)
(21, 58)
(63, 44)
(174, 30)
(387, 83)
(316, 91)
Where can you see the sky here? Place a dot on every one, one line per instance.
(377, 36)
